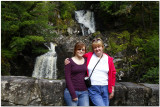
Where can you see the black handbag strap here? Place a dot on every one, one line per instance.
(95, 65)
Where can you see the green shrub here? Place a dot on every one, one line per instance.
(151, 76)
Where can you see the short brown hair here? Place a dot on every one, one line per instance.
(77, 46)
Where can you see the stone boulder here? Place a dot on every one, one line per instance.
(27, 91)
(51, 92)
(17, 90)
(154, 97)
(119, 98)
(136, 94)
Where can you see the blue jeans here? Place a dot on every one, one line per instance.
(83, 98)
(99, 95)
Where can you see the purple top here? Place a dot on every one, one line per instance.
(74, 75)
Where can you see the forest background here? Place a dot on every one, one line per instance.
(27, 25)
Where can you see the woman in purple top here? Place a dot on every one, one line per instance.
(76, 93)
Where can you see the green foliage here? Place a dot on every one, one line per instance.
(113, 47)
(49, 37)
(116, 8)
(37, 39)
(141, 50)
(130, 14)
(39, 50)
(63, 17)
(67, 9)
(152, 49)
(26, 25)
(20, 19)
(151, 76)
(118, 42)
(106, 6)
(137, 41)
(96, 33)
(7, 53)
(19, 43)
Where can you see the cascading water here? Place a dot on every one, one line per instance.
(45, 66)
(86, 20)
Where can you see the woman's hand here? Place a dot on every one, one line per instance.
(66, 61)
(111, 95)
(75, 99)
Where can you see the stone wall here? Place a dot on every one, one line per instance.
(27, 91)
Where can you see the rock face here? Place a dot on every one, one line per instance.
(20, 90)
(133, 94)
(154, 97)
(27, 91)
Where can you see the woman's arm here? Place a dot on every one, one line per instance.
(113, 74)
(69, 81)
(113, 79)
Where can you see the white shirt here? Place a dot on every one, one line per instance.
(100, 73)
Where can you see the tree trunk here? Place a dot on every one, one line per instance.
(142, 14)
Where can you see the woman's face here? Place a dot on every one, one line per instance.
(80, 52)
(98, 50)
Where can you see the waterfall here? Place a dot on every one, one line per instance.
(45, 66)
(86, 20)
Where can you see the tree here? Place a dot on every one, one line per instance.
(24, 27)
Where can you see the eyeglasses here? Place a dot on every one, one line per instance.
(81, 49)
(97, 39)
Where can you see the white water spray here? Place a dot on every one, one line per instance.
(45, 66)
(86, 20)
